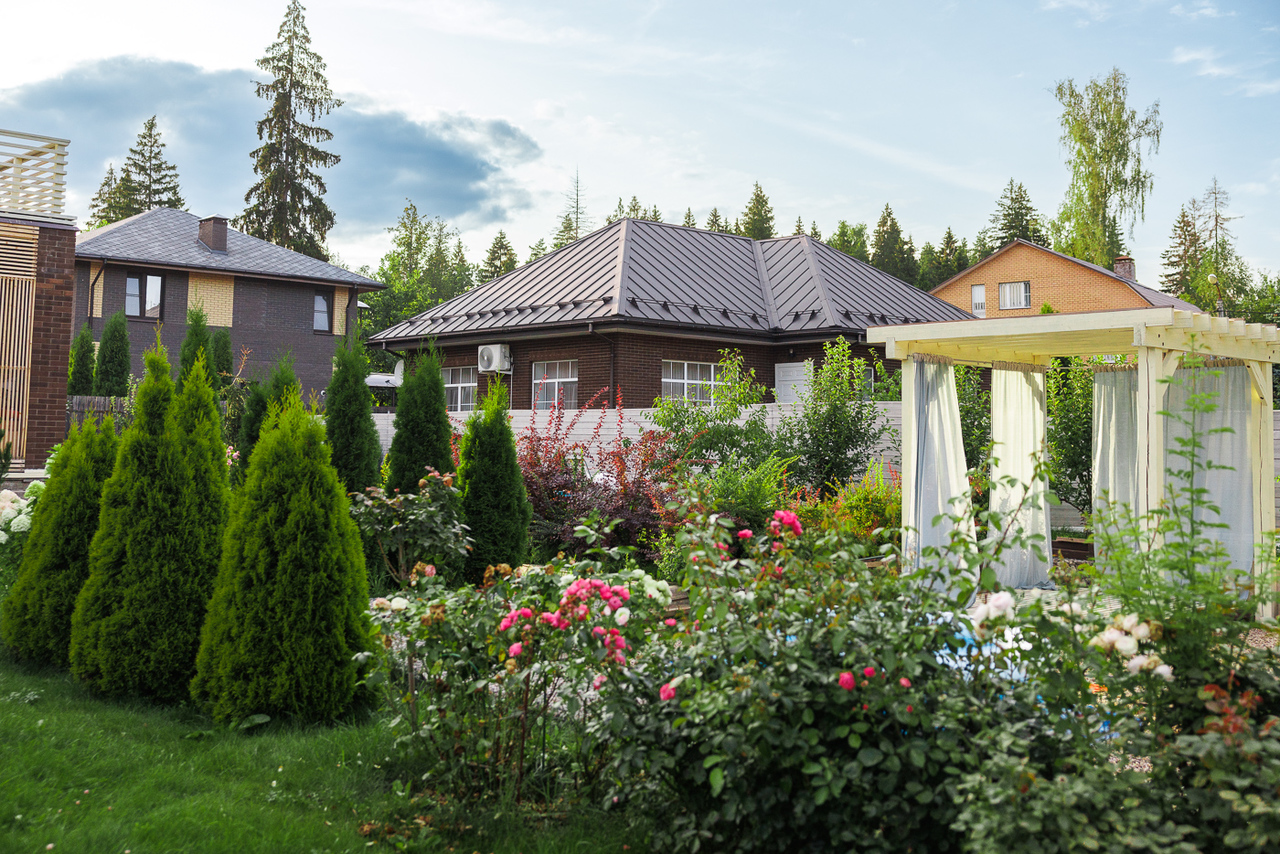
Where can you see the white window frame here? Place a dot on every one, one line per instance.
(678, 385)
(1015, 295)
(555, 382)
(978, 300)
(461, 387)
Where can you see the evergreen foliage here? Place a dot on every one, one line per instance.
(1186, 251)
(494, 501)
(283, 386)
(108, 204)
(287, 614)
(938, 265)
(422, 430)
(814, 231)
(147, 180)
(111, 377)
(565, 234)
(286, 205)
(889, 252)
(35, 619)
(851, 240)
(537, 250)
(195, 342)
(500, 260)
(136, 625)
(575, 212)
(715, 222)
(689, 220)
(81, 379)
(348, 423)
(1015, 217)
(221, 359)
(635, 210)
(757, 220)
(799, 226)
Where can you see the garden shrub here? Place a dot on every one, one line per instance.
(80, 381)
(15, 527)
(868, 510)
(136, 625)
(111, 377)
(195, 342)
(415, 529)
(974, 400)
(837, 427)
(220, 360)
(749, 493)
(494, 502)
(422, 431)
(284, 386)
(1069, 387)
(348, 424)
(35, 620)
(286, 622)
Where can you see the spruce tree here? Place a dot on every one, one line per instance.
(715, 222)
(851, 240)
(1182, 258)
(689, 221)
(109, 203)
(222, 359)
(422, 429)
(136, 626)
(35, 620)
(1015, 218)
(287, 614)
(799, 227)
(286, 205)
(757, 220)
(147, 180)
(566, 234)
(537, 250)
(82, 357)
(348, 422)
(111, 377)
(494, 501)
(500, 260)
(194, 343)
(890, 252)
(814, 232)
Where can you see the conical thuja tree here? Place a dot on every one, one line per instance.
(348, 423)
(221, 360)
(111, 378)
(136, 626)
(81, 380)
(494, 501)
(422, 430)
(283, 386)
(35, 620)
(196, 341)
(287, 614)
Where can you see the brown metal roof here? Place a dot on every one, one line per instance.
(661, 275)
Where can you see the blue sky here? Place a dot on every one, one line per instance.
(481, 110)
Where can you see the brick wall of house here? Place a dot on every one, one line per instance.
(1063, 284)
(51, 342)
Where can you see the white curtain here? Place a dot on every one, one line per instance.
(1115, 437)
(1018, 422)
(940, 468)
(1229, 388)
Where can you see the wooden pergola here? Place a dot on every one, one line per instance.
(1157, 338)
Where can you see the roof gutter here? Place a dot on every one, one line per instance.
(359, 287)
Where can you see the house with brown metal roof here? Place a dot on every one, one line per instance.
(643, 309)
(1022, 277)
(272, 300)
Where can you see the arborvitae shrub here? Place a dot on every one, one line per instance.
(422, 430)
(196, 341)
(494, 501)
(35, 621)
(81, 380)
(136, 626)
(287, 614)
(111, 378)
(283, 385)
(222, 359)
(348, 423)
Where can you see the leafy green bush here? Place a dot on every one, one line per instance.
(111, 377)
(80, 382)
(975, 415)
(1070, 433)
(494, 502)
(15, 527)
(286, 623)
(868, 510)
(422, 431)
(348, 424)
(749, 493)
(136, 625)
(414, 532)
(35, 620)
(195, 342)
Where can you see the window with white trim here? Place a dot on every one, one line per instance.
(695, 381)
(979, 297)
(1015, 295)
(555, 382)
(460, 388)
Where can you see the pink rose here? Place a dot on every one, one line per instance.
(515, 649)
(868, 671)
(430, 571)
(670, 621)
(598, 681)
(846, 681)
(745, 534)
(904, 682)
(908, 709)
(666, 692)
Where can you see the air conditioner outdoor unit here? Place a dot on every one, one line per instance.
(495, 358)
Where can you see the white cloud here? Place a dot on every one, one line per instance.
(1203, 9)
(1094, 10)
(1206, 61)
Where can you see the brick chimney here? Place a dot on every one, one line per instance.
(1124, 268)
(213, 233)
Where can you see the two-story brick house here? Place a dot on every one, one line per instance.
(1022, 277)
(155, 265)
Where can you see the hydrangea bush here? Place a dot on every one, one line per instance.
(15, 527)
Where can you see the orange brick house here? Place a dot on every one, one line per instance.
(1021, 277)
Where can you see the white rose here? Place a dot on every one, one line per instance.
(621, 615)
(1136, 664)
(1165, 672)
(1142, 631)
(399, 603)
(1000, 603)
(1111, 636)
(1072, 609)
(1127, 645)
(1129, 623)
(979, 613)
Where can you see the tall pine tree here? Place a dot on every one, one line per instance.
(1015, 217)
(500, 260)
(286, 205)
(757, 220)
(889, 252)
(689, 221)
(537, 250)
(1182, 259)
(147, 180)
(715, 222)
(109, 204)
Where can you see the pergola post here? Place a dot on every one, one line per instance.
(1262, 456)
(1154, 366)
(910, 422)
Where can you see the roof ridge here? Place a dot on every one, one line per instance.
(816, 269)
(766, 285)
(624, 258)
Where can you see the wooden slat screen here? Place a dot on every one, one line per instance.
(18, 249)
(17, 314)
(33, 175)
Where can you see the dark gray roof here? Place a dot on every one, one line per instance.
(1151, 295)
(169, 237)
(655, 274)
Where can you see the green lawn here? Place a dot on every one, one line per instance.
(87, 775)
